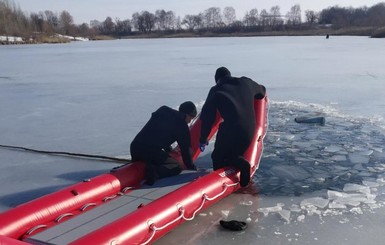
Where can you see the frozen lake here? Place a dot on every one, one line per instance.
(316, 184)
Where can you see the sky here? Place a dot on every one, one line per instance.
(83, 11)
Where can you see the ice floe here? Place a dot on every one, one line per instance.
(335, 169)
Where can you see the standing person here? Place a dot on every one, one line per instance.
(233, 98)
(153, 143)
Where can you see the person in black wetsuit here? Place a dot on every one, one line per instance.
(153, 142)
(233, 98)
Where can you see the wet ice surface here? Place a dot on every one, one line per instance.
(315, 185)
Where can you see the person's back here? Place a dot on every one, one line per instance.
(162, 129)
(235, 104)
(234, 99)
(153, 142)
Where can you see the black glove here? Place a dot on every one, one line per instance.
(202, 144)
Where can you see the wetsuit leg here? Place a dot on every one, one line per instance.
(221, 150)
(228, 151)
(158, 163)
(170, 167)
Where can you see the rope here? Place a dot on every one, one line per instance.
(205, 198)
(114, 159)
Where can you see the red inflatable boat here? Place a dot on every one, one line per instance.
(115, 208)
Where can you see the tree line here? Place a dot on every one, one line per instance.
(14, 22)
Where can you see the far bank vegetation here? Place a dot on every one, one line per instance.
(45, 26)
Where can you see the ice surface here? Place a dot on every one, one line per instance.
(49, 101)
(290, 172)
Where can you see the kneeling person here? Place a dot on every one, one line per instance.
(153, 143)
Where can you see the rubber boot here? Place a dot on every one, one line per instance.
(244, 167)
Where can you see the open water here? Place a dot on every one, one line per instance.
(316, 184)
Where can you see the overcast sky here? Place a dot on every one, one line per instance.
(86, 10)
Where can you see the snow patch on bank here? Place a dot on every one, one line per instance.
(11, 39)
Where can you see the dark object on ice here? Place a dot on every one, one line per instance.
(327, 36)
(233, 225)
(315, 120)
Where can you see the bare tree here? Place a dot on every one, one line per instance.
(275, 16)
(149, 21)
(95, 23)
(212, 17)
(138, 22)
(377, 14)
(311, 17)
(192, 21)
(66, 22)
(251, 18)
(264, 18)
(171, 20)
(161, 19)
(123, 27)
(52, 20)
(294, 15)
(144, 21)
(108, 26)
(178, 23)
(37, 21)
(165, 20)
(229, 15)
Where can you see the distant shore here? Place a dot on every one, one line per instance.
(357, 31)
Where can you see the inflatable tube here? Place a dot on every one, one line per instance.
(149, 223)
(49, 210)
(10, 241)
(153, 220)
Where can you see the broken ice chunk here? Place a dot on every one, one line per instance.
(225, 213)
(285, 215)
(333, 148)
(358, 158)
(359, 167)
(338, 158)
(356, 210)
(349, 187)
(246, 203)
(268, 210)
(366, 152)
(300, 218)
(315, 201)
(295, 208)
(370, 184)
(351, 199)
(337, 205)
